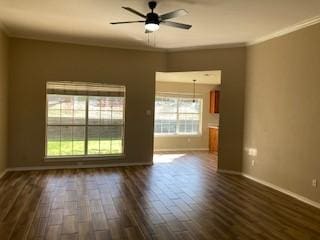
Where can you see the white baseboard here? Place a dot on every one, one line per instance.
(181, 149)
(285, 191)
(3, 173)
(76, 166)
(275, 187)
(229, 172)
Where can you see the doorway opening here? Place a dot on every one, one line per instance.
(187, 115)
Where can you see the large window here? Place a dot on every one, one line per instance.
(177, 116)
(84, 119)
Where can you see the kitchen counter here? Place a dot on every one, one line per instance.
(213, 126)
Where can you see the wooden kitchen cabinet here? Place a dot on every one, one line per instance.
(214, 101)
(213, 139)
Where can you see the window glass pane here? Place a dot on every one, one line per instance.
(79, 117)
(94, 110)
(53, 102)
(66, 102)
(165, 122)
(54, 107)
(111, 139)
(117, 103)
(66, 140)
(105, 103)
(105, 139)
(94, 104)
(105, 110)
(188, 106)
(53, 141)
(106, 117)
(79, 103)
(94, 117)
(166, 105)
(79, 110)
(66, 116)
(93, 140)
(117, 117)
(66, 110)
(54, 116)
(78, 140)
(188, 123)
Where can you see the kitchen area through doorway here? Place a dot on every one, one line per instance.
(186, 117)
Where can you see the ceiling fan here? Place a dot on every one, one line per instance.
(153, 20)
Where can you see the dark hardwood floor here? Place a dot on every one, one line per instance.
(180, 197)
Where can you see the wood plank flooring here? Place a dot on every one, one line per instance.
(179, 197)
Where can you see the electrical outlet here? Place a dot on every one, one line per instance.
(314, 182)
(252, 162)
(252, 152)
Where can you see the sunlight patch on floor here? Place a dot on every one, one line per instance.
(166, 158)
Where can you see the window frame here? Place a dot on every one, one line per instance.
(177, 134)
(85, 156)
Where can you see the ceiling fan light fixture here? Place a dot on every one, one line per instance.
(151, 27)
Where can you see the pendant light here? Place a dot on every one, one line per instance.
(194, 90)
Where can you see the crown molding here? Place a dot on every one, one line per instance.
(207, 47)
(141, 48)
(307, 23)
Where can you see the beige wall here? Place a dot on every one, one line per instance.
(282, 111)
(3, 100)
(232, 63)
(33, 63)
(188, 142)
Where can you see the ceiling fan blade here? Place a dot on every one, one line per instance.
(177, 25)
(134, 12)
(126, 22)
(174, 14)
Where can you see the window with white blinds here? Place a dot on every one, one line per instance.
(84, 119)
(177, 116)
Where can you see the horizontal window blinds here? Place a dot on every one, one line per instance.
(85, 89)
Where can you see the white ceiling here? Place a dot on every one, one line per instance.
(201, 77)
(215, 22)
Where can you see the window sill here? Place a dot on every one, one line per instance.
(83, 158)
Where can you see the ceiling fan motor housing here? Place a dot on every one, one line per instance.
(152, 18)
